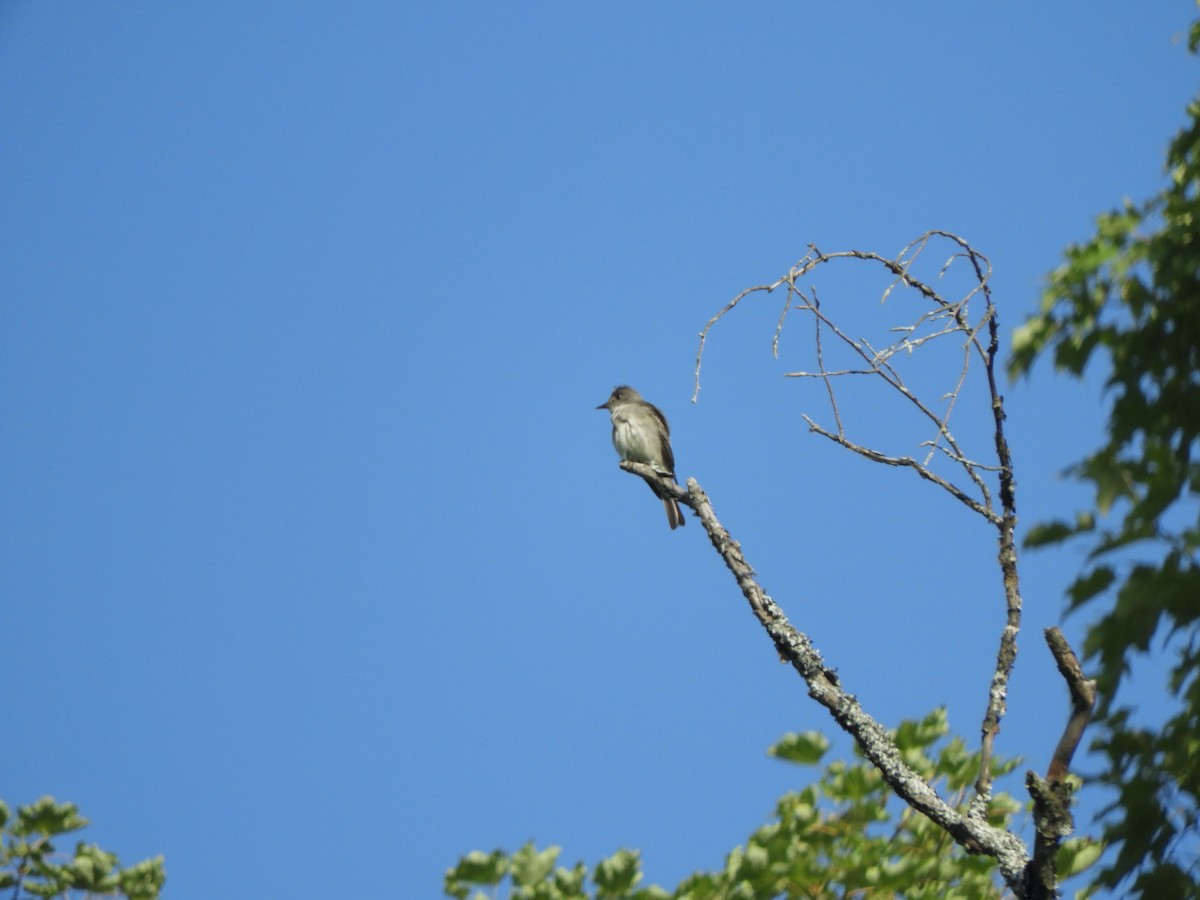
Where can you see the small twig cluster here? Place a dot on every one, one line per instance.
(940, 319)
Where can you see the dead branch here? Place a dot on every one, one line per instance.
(824, 685)
(1083, 701)
(1052, 795)
(939, 320)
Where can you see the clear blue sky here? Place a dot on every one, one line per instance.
(318, 569)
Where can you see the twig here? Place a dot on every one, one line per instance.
(826, 376)
(907, 462)
(711, 322)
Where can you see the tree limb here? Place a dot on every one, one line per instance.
(824, 686)
(1052, 795)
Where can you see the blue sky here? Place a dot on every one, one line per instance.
(318, 568)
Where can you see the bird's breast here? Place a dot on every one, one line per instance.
(636, 444)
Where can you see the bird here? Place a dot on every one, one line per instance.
(640, 434)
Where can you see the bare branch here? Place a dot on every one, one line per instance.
(878, 360)
(946, 451)
(904, 461)
(834, 374)
(825, 375)
(1052, 795)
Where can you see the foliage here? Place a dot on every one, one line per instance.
(1128, 301)
(30, 867)
(844, 835)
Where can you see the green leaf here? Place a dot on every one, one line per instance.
(43, 890)
(529, 867)
(617, 875)
(569, 882)
(144, 880)
(919, 735)
(478, 867)
(850, 783)
(1044, 533)
(45, 817)
(806, 748)
(1087, 586)
(92, 869)
(1057, 531)
(1027, 341)
(1075, 855)
(654, 892)
(959, 767)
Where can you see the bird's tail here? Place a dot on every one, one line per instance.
(674, 513)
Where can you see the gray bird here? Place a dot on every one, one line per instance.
(641, 434)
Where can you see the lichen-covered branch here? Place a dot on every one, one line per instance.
(824, 686)
(1006, 656)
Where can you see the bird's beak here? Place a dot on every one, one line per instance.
(604, 405)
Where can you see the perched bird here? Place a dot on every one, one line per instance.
(641, 434)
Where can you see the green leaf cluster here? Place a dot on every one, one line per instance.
(31, 867)
(1127, 302)
(843, 835)
(532, 874)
